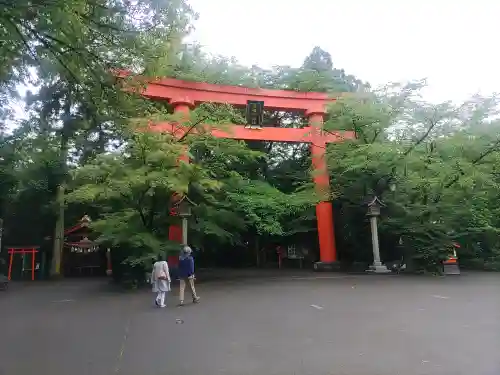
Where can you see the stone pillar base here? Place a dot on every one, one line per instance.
(451, 269)
(327, 266)
(378, 268)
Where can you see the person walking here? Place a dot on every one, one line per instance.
(160, 279)
(186, 274)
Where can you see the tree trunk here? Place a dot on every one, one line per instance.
(55, 269)
(57, 251)
(257, 252)
(1, 234)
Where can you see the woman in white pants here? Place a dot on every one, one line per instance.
(160, 278)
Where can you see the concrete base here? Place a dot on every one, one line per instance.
(451, 269)
(326, 266)
(4, 282)
(378, 268)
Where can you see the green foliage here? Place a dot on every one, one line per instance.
(83, 39)
(85, 133)
(134, 189)
(69, 51)
(8, 178)
(441, 166)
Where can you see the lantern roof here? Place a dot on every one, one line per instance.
(372, 201)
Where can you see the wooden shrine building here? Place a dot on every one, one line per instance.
(81, 255)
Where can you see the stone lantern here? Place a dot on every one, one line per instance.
(374, 205)
(184, 212)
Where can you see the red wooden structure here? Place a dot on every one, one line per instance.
(22, 250)
(184, 96)
(83, 256)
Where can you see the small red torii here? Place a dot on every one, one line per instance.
(22, 250)
(184, 96)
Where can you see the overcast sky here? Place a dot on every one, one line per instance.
(454, 44)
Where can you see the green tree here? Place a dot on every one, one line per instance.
(134, 186)
(442, 158)
(70, 51)
(87, 37)
(429, 152)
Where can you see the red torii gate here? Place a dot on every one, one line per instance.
(184, 96)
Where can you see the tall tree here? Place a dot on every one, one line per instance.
(427, 151)
(70, 52)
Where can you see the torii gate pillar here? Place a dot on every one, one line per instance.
(324, 209)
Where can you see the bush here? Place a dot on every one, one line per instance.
(492, 265)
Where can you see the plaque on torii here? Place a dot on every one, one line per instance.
(255, 114)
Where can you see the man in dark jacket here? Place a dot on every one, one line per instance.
(186, 274)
